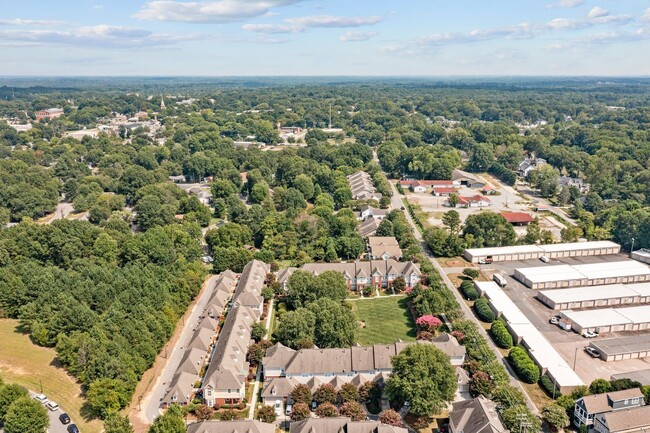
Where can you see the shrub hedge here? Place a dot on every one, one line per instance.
(523, 365)
(483, 310)
(468, 290)
(500, 335)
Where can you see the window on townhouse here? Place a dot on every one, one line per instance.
(635, 401)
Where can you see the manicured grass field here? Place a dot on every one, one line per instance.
(29, 365)
(386, 320)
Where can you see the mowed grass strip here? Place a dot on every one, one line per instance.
(29, 365)
(385, 320)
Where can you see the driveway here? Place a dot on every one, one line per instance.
(55, 424)
(151, 402)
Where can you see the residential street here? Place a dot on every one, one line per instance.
(396, 203)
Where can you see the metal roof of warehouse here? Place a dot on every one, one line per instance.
(622, 345)
(539, 347)
(590, 271)
(518, 249)
(593, 293)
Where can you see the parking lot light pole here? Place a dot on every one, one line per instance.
(632, 247)
(575, 356)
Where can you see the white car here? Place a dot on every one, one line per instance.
(40, 398)
(544, 259)
(52, 406)
(590, 334)
(288, 409)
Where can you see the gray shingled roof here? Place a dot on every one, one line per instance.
(341, 425)
(474, 416)
(627, 419)
(240, 426)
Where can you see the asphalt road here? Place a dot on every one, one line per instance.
(151, 402)
(55, 424)
(396, 203)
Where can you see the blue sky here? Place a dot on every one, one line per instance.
(327, 37)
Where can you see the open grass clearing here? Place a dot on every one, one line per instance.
(31, 366)
(383, 320)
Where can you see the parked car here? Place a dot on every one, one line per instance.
(289, 409)
(544, 259)
(52, 406)
(590, 334)
(592, 352)
(486, 261)
(64, 418)
(40, 398)
(72, 428)
(554, 320)
(314, 405)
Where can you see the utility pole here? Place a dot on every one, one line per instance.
(575, 356)
(632, 247)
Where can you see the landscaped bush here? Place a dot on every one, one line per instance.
(500, 335)
(548, 385)
(483, 310)
(471, 272)
(523, 365)
(468, 290)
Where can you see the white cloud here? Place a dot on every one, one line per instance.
(597, 16)
(221, 11)
(568, 3)
(22, 22)
(96, 36)
(604, 38)
(597, 12)
(301, 24)
(356, 36)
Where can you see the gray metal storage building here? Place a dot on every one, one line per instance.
(609, 319)
(593, 274)
(527, 252)
(596, 296)
(618, 349)
(642, 255)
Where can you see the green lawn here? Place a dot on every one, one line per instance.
(386, 320)
(32, 366)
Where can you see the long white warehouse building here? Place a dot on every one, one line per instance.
(609, 319)
(527, 252)
(593, 274)
(596, 296)
(523, 331)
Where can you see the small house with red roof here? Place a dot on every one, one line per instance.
(488, 190)
(424, 185)
(474, 201)
(518, 218)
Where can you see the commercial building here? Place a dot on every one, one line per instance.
(525, 333)
(527, 252)
(609, 319)
(518, 218)
(595, 296)
(50, 113)
(621, 348)
(641, 376)
(642, 255)
(593, 274)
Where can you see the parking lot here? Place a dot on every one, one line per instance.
(569, 344)
(505, 200)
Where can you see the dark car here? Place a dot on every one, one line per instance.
(72, 428)
(64, 418)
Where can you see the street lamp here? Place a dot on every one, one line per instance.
(632, 247)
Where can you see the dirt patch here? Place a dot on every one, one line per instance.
(361, 324)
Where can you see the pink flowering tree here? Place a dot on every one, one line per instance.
(428, 323)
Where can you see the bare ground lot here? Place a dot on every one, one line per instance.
(568, 344)
(506, 199)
